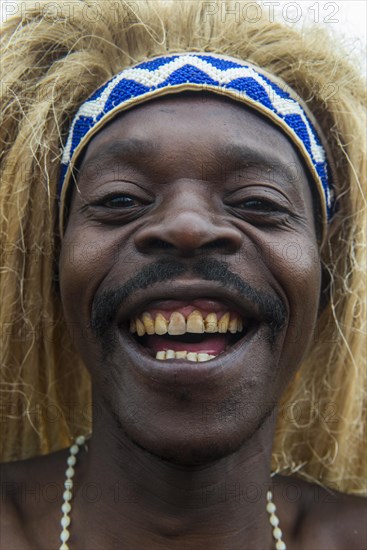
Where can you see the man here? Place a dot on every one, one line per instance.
(186, 219)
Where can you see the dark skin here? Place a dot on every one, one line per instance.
(159, 473)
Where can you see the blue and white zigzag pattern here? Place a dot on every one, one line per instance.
(204, 70)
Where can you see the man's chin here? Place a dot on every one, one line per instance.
(192, 454)
(186, 442)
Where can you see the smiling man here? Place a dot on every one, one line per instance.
(182, 215)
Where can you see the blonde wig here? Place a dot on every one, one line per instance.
(53, 57)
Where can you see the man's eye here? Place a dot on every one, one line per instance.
(260, 205)
(121, 201)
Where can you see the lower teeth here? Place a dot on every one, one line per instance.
(188, 355)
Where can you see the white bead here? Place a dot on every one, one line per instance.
(66, 507)
(277, 532)
(71, 460)
(80, 440)
(74, 449)
(65, 522)
(70, 472)
(65, 535)
(68, 484)
(274, 520)
(67, 495)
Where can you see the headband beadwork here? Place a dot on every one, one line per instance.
(175, 73)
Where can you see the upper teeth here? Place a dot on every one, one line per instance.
(177, 324)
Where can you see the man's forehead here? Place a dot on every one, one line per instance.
(240, 135)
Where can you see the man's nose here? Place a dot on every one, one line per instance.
(188, 231)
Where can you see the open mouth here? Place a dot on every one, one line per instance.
(197, 331)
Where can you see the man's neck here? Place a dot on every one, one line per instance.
(129, 495)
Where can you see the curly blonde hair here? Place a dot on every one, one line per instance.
(51, 61)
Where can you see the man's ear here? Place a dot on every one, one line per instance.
(57, 236)
(56, 257)
(55, 273)
(326, 253)
(324, 290)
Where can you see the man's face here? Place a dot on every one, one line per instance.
(188, 207)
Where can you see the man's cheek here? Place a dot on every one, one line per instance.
(305, 275)
(303, 319)
(81, 270)
(298, 271)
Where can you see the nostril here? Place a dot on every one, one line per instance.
(154, 244)
(159, 244)
(218, 243)
(222, 245)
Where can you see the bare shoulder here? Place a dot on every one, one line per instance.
(325, 519)
(31, 496)
(341, 517)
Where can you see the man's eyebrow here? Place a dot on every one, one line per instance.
(122, 150)
(258, 160)
(239, 155)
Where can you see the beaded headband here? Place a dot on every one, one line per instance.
(222, 75)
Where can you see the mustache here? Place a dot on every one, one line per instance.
(106, 304)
